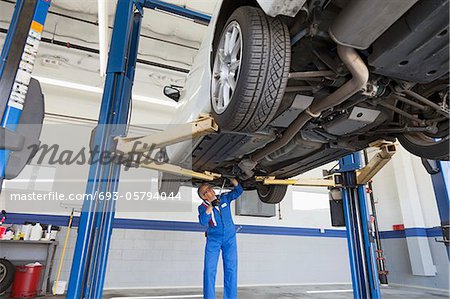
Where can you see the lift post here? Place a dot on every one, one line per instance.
(95, 227)
(16, 65)
(441, 185)
(351, 179)
(361, 246)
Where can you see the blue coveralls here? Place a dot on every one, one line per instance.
(221, 234)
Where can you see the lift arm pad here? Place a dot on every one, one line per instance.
(204, 125)
(364, 175)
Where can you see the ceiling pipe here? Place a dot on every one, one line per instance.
(178, 11)
(103, 35)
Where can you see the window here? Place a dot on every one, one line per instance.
(307, 200)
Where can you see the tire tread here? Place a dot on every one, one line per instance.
(268, 68)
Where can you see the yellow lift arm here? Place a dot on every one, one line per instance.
(206, 125)
(363, 176)
(202, 126)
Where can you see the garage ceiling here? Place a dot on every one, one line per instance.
(166, 40)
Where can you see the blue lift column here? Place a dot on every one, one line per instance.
(441, 185)
(95, 228)
(17, 63)
(361, 245)
(96, 222)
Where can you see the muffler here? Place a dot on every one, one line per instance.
(361, 22)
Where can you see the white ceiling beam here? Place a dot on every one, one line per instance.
(103, 35)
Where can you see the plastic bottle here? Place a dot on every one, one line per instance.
(26, 231)
(36, 232)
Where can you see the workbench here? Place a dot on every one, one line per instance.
(21, 252)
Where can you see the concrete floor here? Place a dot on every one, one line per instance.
(284, 292)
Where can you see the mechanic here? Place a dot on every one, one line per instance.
(215, 214)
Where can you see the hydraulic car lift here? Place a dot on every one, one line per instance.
(95, 226)
(361, 247)
(441, 184)
(351, 178)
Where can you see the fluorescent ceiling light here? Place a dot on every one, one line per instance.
(68, 84)
(99, 90)
(161, 297)
(329, 291)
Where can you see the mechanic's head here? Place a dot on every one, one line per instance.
(206, 192)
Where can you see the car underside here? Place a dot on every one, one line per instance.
(336, 77)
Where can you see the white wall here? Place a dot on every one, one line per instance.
(386, 192)
(146, 258)
(404, 194)
(399, 265)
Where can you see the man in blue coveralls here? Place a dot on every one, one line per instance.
(215, 213)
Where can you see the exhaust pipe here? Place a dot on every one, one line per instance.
(360, 73)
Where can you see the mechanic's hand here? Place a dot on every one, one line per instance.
(209, 209)
(234, 182)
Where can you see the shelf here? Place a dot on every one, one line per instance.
(29, 242)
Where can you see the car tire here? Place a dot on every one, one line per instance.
(271, 194)
(7, 270)
(169, 183)
(260, 80)
(424, 146)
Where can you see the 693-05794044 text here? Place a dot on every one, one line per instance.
(129, 196)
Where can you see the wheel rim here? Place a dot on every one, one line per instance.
(227, 66)
(263, 191)
(3, 272)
